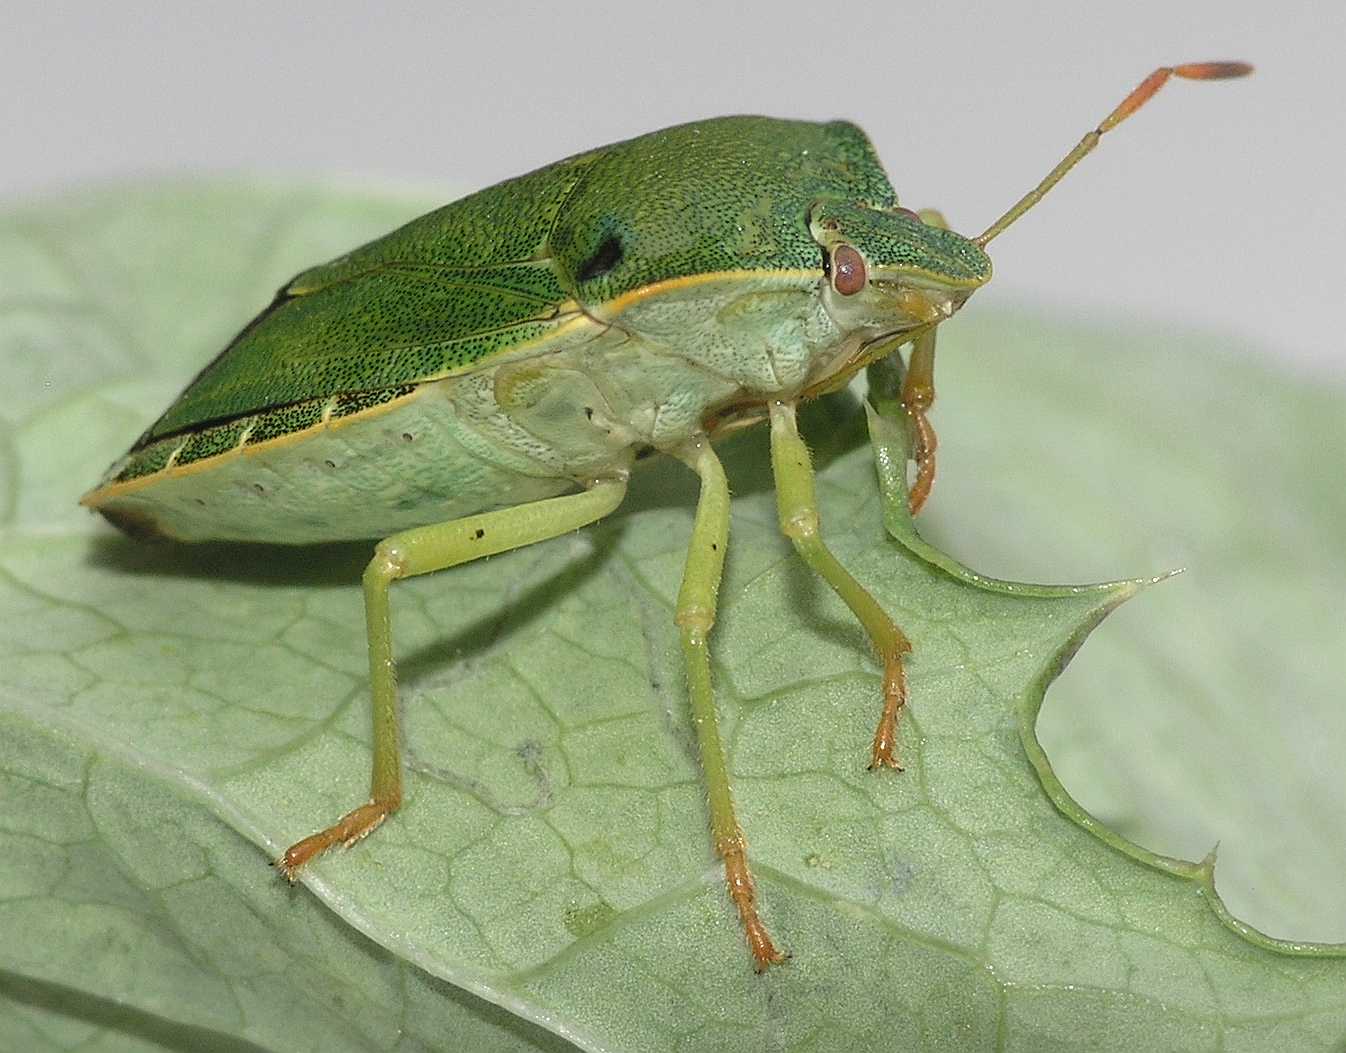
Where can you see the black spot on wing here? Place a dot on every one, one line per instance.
(605, 257)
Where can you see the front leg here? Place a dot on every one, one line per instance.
(903, 394)
(913, 388)
(918, 395)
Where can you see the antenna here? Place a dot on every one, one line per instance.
(1138, 98)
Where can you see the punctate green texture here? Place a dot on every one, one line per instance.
(552, 856)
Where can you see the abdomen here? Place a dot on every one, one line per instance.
(407, 463)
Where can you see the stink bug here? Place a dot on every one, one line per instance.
(485, 377)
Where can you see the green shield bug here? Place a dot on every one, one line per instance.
(484, 378)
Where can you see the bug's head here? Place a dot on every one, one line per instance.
(886, 270)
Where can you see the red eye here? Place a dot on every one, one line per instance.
(848, 270)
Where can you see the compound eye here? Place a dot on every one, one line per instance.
(848, 270)
(907, 213)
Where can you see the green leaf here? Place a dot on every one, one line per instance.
(173, 717)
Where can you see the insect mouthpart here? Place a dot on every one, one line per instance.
(922, 304)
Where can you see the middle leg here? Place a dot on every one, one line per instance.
(797, 505)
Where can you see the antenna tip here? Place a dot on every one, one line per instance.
(1212, 70)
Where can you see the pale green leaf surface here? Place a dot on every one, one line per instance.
(173, 717)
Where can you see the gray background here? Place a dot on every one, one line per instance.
(1220, 205)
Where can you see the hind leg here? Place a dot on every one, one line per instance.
(422, 551)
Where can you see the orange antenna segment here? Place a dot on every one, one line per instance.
(1138, 98)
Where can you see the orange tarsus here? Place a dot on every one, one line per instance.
(924, 456)
(884, 753)
(743, 893)
(918, 395)
(357, 824)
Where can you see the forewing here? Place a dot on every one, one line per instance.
(433, 298)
